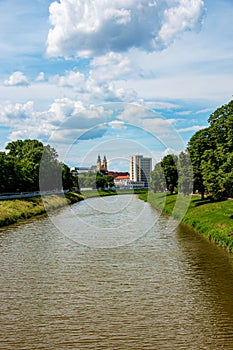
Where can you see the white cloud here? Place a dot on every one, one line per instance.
(185, 15)
(110, 67)
(63, 114)
(65, 107)
(205, 110)
(73, 79)
(16, 79)
(25, 121)
(117, 124)
(161, 105)
(98, 84)
(84, 27)
(184, 113)
(40, 77)
(192, 128)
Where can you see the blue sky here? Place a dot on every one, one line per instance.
(113, 77)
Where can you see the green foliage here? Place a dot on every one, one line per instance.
(158, 182)
(169, 166)
(94, 180)
(185, 172)
(30, 166)
(211, 152)
(87, 180)
(165, 176)
(173, 173)
(198, 144)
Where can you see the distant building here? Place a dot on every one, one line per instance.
(122, 181)
(102, 166)
(140, 169)
(118, 173)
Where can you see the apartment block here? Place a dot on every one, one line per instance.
(140, 169)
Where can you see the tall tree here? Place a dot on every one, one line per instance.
(185, 173)
(169, 166)
(158, 182)
(31, 166)
(198, 144)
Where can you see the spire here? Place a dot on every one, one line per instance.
(98, 159)
(105, 164)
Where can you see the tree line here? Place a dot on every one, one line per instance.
(29, 166)
(211, 153)
(97, 180)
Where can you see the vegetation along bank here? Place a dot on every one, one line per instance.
(213, 219)
(206, 169)
(12, 211)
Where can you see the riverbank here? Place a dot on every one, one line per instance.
(212, 219)
(15, 210)
(103, 193)
(12, 211)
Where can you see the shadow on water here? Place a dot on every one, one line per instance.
(210, 265)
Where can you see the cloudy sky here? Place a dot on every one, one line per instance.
(113, 77)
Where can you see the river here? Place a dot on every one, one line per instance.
(152, 288)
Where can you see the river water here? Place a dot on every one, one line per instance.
(157, 289)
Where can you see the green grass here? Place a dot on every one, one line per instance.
(97, 193)
(12, 211)
(101, 193)
(212, 219)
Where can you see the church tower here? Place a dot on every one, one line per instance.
(98, 163)
(105, 164)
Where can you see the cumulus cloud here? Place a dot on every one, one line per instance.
(63, 114)
(184, 16)
(25, 121)
(85, 27)
(73, 79)
(16, 79)
(68, 121)
(110, 67)
(100, 83)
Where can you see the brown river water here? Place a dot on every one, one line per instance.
(158, 289)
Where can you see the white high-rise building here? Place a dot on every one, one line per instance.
(140, 169)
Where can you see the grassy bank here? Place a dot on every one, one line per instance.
(213, 219)
(101, 193)
(12, 211)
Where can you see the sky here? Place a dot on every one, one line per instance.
(113, 78)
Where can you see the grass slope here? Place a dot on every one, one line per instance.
(12, 211)
(212, 219)
(102, 193)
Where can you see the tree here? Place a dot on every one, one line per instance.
(211, 151)
(87, 180)
(198, 144)
(109, 180)
(158, 182)
(101, 181)
(169, 167)
(185, 172)
(67, 178)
